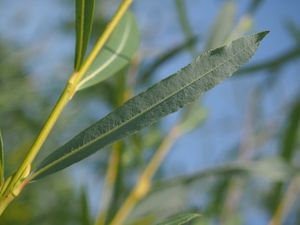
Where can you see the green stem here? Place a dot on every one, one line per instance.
(64, 99)
(43, 135)
(4, 202)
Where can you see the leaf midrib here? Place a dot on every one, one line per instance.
(132, 118)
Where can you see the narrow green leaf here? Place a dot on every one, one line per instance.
(85, 211)
(222, 26)
(181, 219)
(183, 18)
(271, 169)
(291, 136)
(84, 21)
(161, 99)
(290, 139)
(117, 53)
(185, 25)
(1, 161)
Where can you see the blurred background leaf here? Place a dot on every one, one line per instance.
(1, 160)
(116, 54)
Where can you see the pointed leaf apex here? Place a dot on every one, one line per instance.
(261, 35)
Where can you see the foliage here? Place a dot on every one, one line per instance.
(132, 133)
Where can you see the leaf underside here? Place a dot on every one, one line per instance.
(163, 98)
(84, 21)
(116, 54)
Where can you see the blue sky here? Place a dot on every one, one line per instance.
(33, 25)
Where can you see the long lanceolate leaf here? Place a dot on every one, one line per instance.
(117, 53)
(161, 99)
(272, 169)
(1, 161)
(84, 21)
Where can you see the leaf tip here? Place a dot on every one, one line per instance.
(261, 35)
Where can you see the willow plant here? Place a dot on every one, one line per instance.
(111, 53)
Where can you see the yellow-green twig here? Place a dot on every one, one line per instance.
(64, 99)
(111, 178)
(5, 202)
(287, 202)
